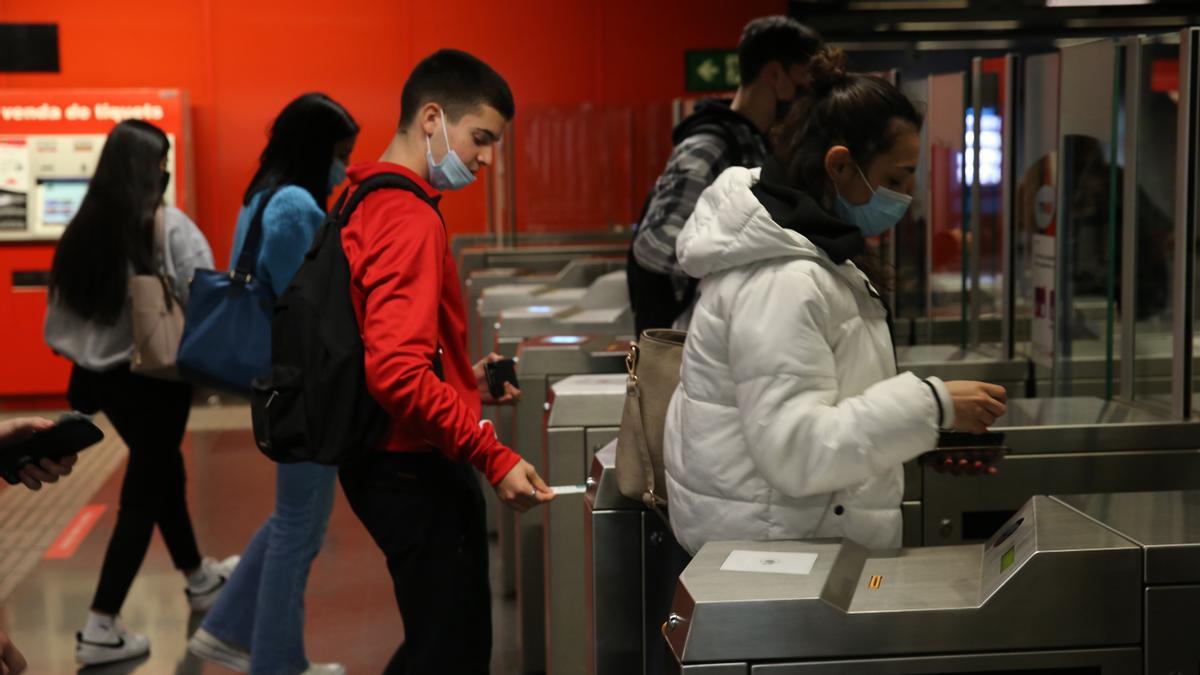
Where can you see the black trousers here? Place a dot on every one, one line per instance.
(150, 415)
(426, 513)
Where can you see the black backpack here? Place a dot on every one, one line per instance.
(314, 405)
(652, 294)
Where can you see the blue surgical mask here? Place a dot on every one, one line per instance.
(880, 214)
(451, 174)
(337, 174)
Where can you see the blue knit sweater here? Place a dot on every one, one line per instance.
(290, 222)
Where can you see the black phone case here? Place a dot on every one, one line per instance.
(949, 440)
(498, 373)
(72, 434)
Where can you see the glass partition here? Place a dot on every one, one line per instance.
(910, 233)
(1035, 208)
(1087, 216)
(1187, 200)
(945, 202)
(1152, 117)
(985, 173)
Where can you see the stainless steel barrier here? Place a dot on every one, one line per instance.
(1058, 446)
(542, 361)
(631, 565)
(1051, 591)
(1100, 583)
(585, 416)
(566, 288)
(604, 308)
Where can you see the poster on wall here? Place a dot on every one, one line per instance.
(14, 184)
(1036, 199)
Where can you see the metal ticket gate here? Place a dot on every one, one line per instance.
(542, 361)
(631, 565)
(564, 289)
(1104, 583)
(603, 308)
(585, 416)
(1051, 592)
(1058, 446)
(1166, 525)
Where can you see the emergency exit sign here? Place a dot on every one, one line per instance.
(711, 70)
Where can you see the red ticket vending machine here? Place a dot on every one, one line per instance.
(50, 141)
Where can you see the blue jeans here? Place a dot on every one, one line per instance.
(262, 606)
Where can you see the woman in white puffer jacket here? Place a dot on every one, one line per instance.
(790, 420)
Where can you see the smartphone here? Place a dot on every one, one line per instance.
(499, 372)
(73, 433)
(963, 439)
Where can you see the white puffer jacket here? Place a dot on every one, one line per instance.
(790, 420)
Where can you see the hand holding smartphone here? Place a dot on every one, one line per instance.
(73, 432)
(499, 372)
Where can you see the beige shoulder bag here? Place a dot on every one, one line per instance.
(157, 315)
(653, 364)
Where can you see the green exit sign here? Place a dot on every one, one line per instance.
(711, 70)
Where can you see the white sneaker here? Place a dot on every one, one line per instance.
(218, 572)
(212, 648)
(325, 669)
(115, 644)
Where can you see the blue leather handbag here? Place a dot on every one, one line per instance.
(227, 327)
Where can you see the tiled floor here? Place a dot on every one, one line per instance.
(351, 615)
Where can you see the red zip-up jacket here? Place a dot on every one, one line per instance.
(404, 286)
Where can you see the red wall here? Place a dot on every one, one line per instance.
(242, 61)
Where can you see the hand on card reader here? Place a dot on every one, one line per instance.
(965, 453)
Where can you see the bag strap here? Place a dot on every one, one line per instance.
(160, 257)
(382, 181)
(248, 260)
(339, 216)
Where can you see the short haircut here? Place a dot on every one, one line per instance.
(457, 81)
(774, 38)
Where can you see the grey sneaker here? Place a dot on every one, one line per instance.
(202, 600)
(212, 648)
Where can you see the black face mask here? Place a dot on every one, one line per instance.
(166, 180)
(782, 108)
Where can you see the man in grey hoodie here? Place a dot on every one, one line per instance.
(772, 62)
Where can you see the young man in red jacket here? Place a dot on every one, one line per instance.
(419, 498)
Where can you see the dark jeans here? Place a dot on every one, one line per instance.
(426, 513)
(150, 415)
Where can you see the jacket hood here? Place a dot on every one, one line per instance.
(711, 112)
(750, 215)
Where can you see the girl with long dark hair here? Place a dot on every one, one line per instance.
(111, 237)
(258, 626)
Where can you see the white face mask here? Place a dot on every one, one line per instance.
(451, 173)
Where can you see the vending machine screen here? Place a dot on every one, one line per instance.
(61, 199)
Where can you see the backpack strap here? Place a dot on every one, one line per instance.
(340, 216)
(381, 181)
(247, 262)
